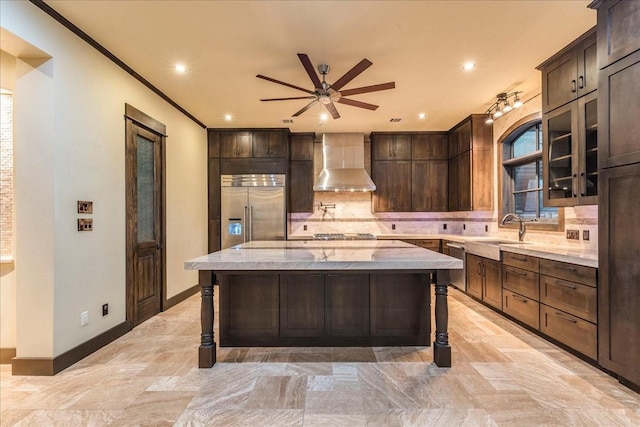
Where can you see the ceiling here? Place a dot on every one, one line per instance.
(421, 45)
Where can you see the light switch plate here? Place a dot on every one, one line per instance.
(85, 207)
(573, 234)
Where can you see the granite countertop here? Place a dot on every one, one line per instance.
(324, 255)
(573, 255)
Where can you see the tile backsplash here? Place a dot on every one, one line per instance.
(351, 213)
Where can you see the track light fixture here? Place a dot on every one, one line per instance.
(502, 105)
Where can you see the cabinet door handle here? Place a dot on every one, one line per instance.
(573, 185)
(573, 85)
(479, 269)
(581, 82)
(568, 319)
(519, 273)
(583, 184)
(564, 285)
(519, 258)
(519, 298)
(564, 267)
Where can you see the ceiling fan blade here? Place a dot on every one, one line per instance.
(286, 99)
(306, 63)
(360, 104)
(365, 89)
(351, 74)
(332, 110)
(260, 76)
(305, 108)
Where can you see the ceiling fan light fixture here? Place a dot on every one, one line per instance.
(516, 102)
(468, 66)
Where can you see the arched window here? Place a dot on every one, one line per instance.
(522, 174)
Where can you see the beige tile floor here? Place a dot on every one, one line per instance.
(501, 375)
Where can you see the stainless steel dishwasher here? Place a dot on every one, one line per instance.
(458, 277)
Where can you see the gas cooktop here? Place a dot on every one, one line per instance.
(344, 236)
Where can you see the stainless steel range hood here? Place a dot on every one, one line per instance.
(343, 164)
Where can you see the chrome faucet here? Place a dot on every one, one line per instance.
(515, 217)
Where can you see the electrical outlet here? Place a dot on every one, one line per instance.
(105, 309)
(84, 318)
(393, 226)
(85, 207)
(585, 234)
(464, 226)
(85, 224)
(573, 234)
(486, 228)
(304, 227)
(444, 226)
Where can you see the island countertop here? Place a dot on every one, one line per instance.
(324, 255)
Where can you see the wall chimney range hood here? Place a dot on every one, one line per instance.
(343, 164)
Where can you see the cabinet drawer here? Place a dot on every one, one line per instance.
(521, 281)
(526, 262)
(571, 272)
(522, 308)
(433, 244)
(570, 330)
(573, 298)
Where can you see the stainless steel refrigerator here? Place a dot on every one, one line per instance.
(253, 208)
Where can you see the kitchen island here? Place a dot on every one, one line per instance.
(324, 293)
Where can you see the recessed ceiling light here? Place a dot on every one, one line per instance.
(228, 117)
(468, 66)
(180, 68)
(324, 117)
(422, 116)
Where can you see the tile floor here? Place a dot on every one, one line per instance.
(501, 375)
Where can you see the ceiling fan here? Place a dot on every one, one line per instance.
(326, 93)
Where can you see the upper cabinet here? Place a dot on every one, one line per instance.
(257, 143)
(300, 183)
(392, 146)
(571, 73)
(471, 165)
(618, 35)
(570, 124)
(408, 170)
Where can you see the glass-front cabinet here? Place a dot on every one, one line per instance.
(570, 153)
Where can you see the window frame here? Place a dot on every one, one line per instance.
(504, 187)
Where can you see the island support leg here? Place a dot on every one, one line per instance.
(207, 349)
(441, 347)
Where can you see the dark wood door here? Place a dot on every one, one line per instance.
(464, 182)
(618, 21)
(492, 277)
(391, 146)
(301, 186)
(618, 290)
(235, 144)
(474, 275)
(269, 143)
(145, 212)
(301, 146)
(393, 182)
(559, 81)
(429, 189)
(587, 66)
(454, 200)
(346, 305)
(302, 305)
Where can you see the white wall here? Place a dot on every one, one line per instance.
(73, 149)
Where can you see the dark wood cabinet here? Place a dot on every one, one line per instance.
(213, 141)
(302, 305)
(235, 143)
(301, 146)
(570, 153)
(429, 146)
(431, 244)
(269, 143)
(214, 235)
(618, 35)
(571, 73)
(520, 288)
(619, 96)
(213, 190)
(301, 179)
(347, 305)
(618, 287)
(393, 182)
(300, 186)
(522, 308)
(391, 146)
(484, 280)
(429, 185)
(471, 165)
(570, 330)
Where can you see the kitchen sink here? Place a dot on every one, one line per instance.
(488, 248)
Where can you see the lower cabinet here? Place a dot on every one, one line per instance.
(346, 302)
(570, 330)
(484, 280)
(520, 290)
(519, 307)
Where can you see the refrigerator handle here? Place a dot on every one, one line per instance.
(245, 232)
(250, 223)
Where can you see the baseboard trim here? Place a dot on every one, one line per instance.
(177, 299)
(50, 366)
(6, 354)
